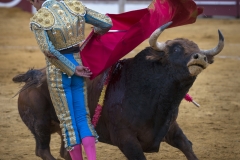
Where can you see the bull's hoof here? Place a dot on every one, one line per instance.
(44, 154)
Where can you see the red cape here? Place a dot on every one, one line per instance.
(134, 27)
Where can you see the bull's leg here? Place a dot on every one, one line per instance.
(42, 136)
(176, 138)
(40, 128)
(130, 147)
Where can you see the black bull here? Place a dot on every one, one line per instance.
(141, 102)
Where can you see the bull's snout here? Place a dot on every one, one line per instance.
(197, 63)
(200, 57)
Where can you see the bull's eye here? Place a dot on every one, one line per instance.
(177, 49)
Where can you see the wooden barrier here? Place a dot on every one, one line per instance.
(220, 7)
(23, 4)
(211, 7)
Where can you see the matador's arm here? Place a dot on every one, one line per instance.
(53, 55)
(101, 22)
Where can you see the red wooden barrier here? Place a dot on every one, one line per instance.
(220, 7)
(211, 7)
(238, 15)
(26, 6)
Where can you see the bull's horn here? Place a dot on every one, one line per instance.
(217, 49)
(154, 36)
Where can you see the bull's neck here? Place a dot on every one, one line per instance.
(162, 81)
(160, 84)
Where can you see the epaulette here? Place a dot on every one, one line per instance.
(43, 19)
(75, 7)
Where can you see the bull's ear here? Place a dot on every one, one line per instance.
(157, 56)
(153, 57)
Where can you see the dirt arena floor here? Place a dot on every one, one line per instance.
(214, 128)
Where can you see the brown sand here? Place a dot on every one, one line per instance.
(214, 128)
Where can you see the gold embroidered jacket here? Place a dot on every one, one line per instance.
(60, 25)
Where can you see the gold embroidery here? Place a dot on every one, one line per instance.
(59, 110)
(75, 7)
(42, 42)
(44, 18)
(59, 100)
(87, 110)
(77, 58)
(99, 16)
(66, 68)
(66, 31)
(68, 120)
(56, 6)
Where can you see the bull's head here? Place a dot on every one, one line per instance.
(199, 59)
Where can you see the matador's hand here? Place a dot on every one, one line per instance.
(83, 71)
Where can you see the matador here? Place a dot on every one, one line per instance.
(58, 27)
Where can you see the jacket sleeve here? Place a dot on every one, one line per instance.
(101, 22)
(53, 55)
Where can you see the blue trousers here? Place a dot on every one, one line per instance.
(69, 97)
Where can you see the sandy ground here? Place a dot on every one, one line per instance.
(214, 128)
